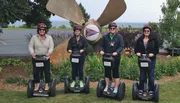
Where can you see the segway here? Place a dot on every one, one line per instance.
(145, 65)
(1, 31)
(109, 62)
(75, 58)
(39, 63)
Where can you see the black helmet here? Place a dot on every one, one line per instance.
(112, 24)
(77, 27)
(42, 26)
(146, 27)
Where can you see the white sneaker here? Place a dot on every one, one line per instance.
(106, 88)
(115, 90)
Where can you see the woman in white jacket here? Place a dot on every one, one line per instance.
(41, 44)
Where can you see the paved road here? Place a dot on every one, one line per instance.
(15, 43)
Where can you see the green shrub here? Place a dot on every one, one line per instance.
(159, 69)
(129, 68)
(12, 62)
(94, 67)
(29, 68)
(61, 71)
(172, 67)
(17, 80)
(178, 64)
(1, 69)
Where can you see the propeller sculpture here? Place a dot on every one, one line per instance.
(92, 31)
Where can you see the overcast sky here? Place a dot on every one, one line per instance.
(137, 10)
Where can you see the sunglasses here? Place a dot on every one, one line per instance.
(146, 31)
(112, 28)
(41, 29)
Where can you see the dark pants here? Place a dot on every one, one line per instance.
(150, 76)
(114, 71)
(77, 68)
(37, 71)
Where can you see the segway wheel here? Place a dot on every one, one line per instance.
(30, 88)
(86, 89)
(66, 84)
(100, 87)
(134, 90)
(156, 93)
(121, 91)
(53, 88)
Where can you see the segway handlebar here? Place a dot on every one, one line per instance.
(108, 55)
(41, 57)
(76, 53)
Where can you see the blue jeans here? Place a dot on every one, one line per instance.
(150, 76)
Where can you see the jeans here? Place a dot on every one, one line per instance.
(150, 76)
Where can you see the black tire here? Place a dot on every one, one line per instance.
(100, 87)
(30, 88)
(53, 88)
(86, 89)
(66, 84)
(121, 91)
(134, 90)
(156, 93)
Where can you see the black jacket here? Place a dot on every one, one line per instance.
(75, 45)
(152, 46)
(115, 45)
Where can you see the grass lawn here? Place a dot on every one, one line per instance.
(169, 93)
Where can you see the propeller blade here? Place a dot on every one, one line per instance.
(113, 10)
(68, 9)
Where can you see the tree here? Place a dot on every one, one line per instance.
(86, 15)
(129, 36)
(13, 10)
(170, 24)
(38, 13)
(156, 32)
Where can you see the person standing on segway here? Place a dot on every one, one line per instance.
(41, 44)
(77, 43)
(112, 43)
(147, 44)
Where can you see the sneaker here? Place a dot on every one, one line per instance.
(115, 90)
(73, 84)
(46, 87)
(151, 93)
(81, 84)
(140, 92)
(106, 89)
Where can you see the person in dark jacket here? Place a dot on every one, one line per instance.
(77, 43)
(112, 43)
(147, 44)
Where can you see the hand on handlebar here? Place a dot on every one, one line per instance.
(151, 54)
(33, 54)
(102, 52)
(70, 51)
(138, 54)
(48, 54)
(81, 51)
(114, 53)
